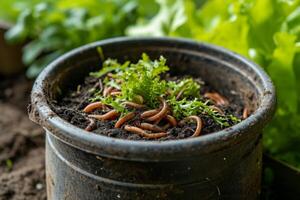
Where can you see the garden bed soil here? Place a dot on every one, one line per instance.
(22, 168)
(70, 107)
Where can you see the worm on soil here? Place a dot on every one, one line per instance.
(93, 106)
(171, 120)
(124, 119)
(91, 126)
(143, 133)
(113, 114)
(217, 98)
(151, 127)
(149, 113)
(245, 113)
(133, 105)
(199, 124)
(162, 113)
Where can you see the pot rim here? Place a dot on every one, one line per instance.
(148, 150)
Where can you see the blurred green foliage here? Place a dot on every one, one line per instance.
(53, 28)
(266, 31)
(10, 9)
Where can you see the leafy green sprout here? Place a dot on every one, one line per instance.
(144, 79)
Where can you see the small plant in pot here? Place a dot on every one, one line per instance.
(154, 118)
(144, 99)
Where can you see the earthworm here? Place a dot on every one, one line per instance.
(149, 113)
(109, 115)
(143, 133)
(124, 119)
(133, 105)
(161, 113)
(171, 120)
(91, 125)
(107, 91)
(199, 124)
(215, 108)
(93, 106)
(151, 127)
(217, 98)
(245, 113)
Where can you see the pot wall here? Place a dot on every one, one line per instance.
(233, 173)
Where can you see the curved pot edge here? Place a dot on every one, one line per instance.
(42, 114)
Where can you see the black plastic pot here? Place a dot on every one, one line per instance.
(226, 164)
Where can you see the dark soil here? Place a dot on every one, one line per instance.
(70, 108)
(22, 173)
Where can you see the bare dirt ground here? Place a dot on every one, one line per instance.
(22, 173)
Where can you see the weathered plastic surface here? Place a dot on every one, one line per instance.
(223, 165)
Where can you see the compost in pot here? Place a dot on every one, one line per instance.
(143, 100)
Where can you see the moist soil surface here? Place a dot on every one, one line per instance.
(70, 107)
(22, 168)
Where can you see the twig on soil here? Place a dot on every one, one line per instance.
(199, 124)
(91, 126)
(100, 85)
